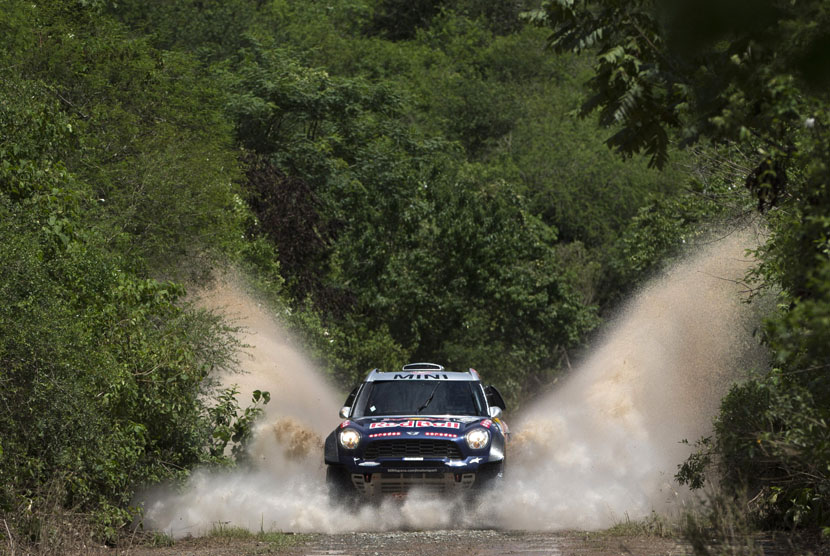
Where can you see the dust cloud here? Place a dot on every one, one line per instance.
(600, 448)
(271, 360)
(283, 487)
(284, 483)
(604, 446)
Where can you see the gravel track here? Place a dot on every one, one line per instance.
(484, 542)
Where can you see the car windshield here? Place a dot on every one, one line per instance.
(428, 397)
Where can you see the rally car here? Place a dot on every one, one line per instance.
(422, 427)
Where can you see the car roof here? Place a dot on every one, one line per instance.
(423, 371)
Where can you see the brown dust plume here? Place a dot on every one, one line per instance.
(600, 448)
(604, 446)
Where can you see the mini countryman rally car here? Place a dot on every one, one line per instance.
(422, 427)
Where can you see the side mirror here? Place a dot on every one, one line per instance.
(347, 406)
(494, 397)
(495, 412)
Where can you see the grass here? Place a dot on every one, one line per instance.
(722, 526)
(654, 525)
(719, 525)
(157, 538)
(235, 533)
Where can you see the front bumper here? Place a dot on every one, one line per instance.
(433, 477)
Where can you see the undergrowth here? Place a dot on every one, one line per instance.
(655, 525)
(236, 533)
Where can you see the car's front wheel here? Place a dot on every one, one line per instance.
(489, 475)
(339, 483)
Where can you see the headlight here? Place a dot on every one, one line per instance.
(349, 438)
(477, 438)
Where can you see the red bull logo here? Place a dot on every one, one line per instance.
(415, 424)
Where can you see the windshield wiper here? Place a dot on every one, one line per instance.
(429, 399)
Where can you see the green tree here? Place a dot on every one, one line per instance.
(104, 370)
(151, 137)
(749, 74)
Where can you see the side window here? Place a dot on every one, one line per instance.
(350, 399)
(494, 398)
(479, 398)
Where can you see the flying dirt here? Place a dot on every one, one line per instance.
(605, 445)
(601, 447)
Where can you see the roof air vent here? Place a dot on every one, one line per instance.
(430, 367)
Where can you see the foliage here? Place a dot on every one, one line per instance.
(401, 178)
(213, 28)
(695, 68)
(485, 289)
(654, 525)
(230, 428)
(274, 539)
(104, 370)
(722, 527)
(772, 435)
(149, 137)
(389, 227)
(102, 373)
(399, 19)
(515, 102)
(336, 160)
(750, 75)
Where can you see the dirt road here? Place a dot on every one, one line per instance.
(427, 543)
(486, 543)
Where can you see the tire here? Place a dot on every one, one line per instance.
(488, 479)
(340, 487)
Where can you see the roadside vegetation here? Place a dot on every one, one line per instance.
(407, 180)
(751, 79)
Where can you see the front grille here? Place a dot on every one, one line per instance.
(401, 483)
(392, 483)
(412, 448)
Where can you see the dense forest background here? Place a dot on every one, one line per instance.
(404, 180)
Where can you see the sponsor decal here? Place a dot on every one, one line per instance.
(487, 423)
(383, 425)
(413, 470)
(344, 424)
(441, 424)
(415, 424)
(384, 434)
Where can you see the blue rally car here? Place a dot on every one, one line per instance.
(422, 427)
